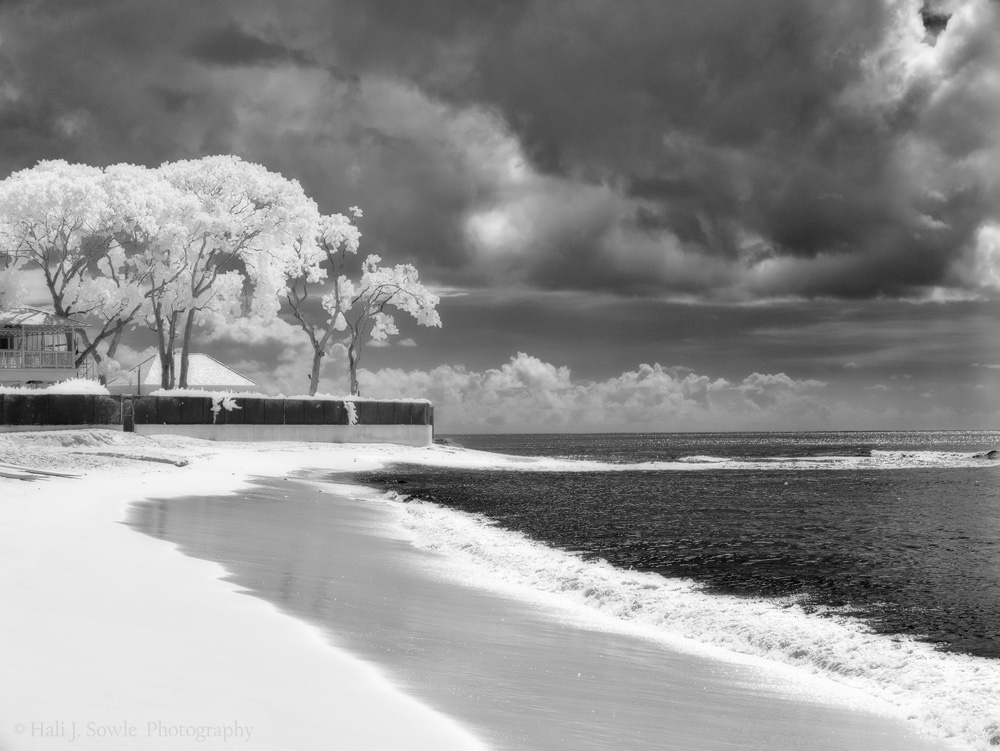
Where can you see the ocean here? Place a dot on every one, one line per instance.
(905, 549)
(869, 558)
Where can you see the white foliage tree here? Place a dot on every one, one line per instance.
(362, 308)
(174, 244)
(149, 222)
(57, 217)
(358, 309)
(230, 245)
(317, 261)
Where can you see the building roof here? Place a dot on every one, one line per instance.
(203, 371)
(35, 318)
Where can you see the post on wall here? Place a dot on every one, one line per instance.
(128, 414)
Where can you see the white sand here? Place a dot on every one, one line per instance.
(106, 632)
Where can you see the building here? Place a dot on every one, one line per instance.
(204, 372)
(38, 348)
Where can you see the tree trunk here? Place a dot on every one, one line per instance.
(314, 376)
(185, 347)
(165, 367)
(161, 347)
(172, 342)
(116, 339)
(88, 346)
(166, 335)
(353, 358)
(79, 358)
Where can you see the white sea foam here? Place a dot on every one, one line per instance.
(454, 457)
(949, 695)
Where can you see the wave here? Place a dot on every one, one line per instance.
(875, 460)
(949, 695)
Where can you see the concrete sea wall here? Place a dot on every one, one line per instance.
(235, 419)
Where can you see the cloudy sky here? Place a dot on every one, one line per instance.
(648, 215)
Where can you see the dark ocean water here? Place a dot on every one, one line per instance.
(907, 549)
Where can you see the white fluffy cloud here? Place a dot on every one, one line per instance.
(528, 394)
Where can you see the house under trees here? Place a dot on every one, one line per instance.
(39, 348)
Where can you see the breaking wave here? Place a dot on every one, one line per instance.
(873, 460)
(949, 695)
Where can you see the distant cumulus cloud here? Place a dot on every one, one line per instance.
(529, 394)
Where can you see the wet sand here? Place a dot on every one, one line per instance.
(520, 674)
(110, 639)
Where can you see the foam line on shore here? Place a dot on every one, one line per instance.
(447, 456)
(949, 695)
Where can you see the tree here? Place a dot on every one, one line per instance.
(363, 306)
(57, 217)
(317, 261)
(153, 224)
(115, 297)
(234, 245)
(357, 309)
(173, 244)
(150, 223)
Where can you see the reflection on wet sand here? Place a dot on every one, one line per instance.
(519, 676)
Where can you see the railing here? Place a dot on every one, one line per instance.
(22, 359)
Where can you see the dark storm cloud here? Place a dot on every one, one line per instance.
(934, 22)
(106, 81)
(172, 100)
(804, 132)
(232, 46)
(731, 119)
(706, 148)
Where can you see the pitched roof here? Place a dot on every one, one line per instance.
(203, 370)
(17, 317)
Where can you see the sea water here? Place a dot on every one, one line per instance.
(873, 558)
(907, 550)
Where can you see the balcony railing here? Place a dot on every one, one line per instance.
(29, 359)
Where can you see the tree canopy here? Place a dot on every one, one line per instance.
(356, 308)
(165, 247)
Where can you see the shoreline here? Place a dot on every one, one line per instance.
(109, 636)
(201, 593)
(525, 673)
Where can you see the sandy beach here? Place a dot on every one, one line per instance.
(114, 638)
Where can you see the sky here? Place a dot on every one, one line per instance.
(650, 216)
